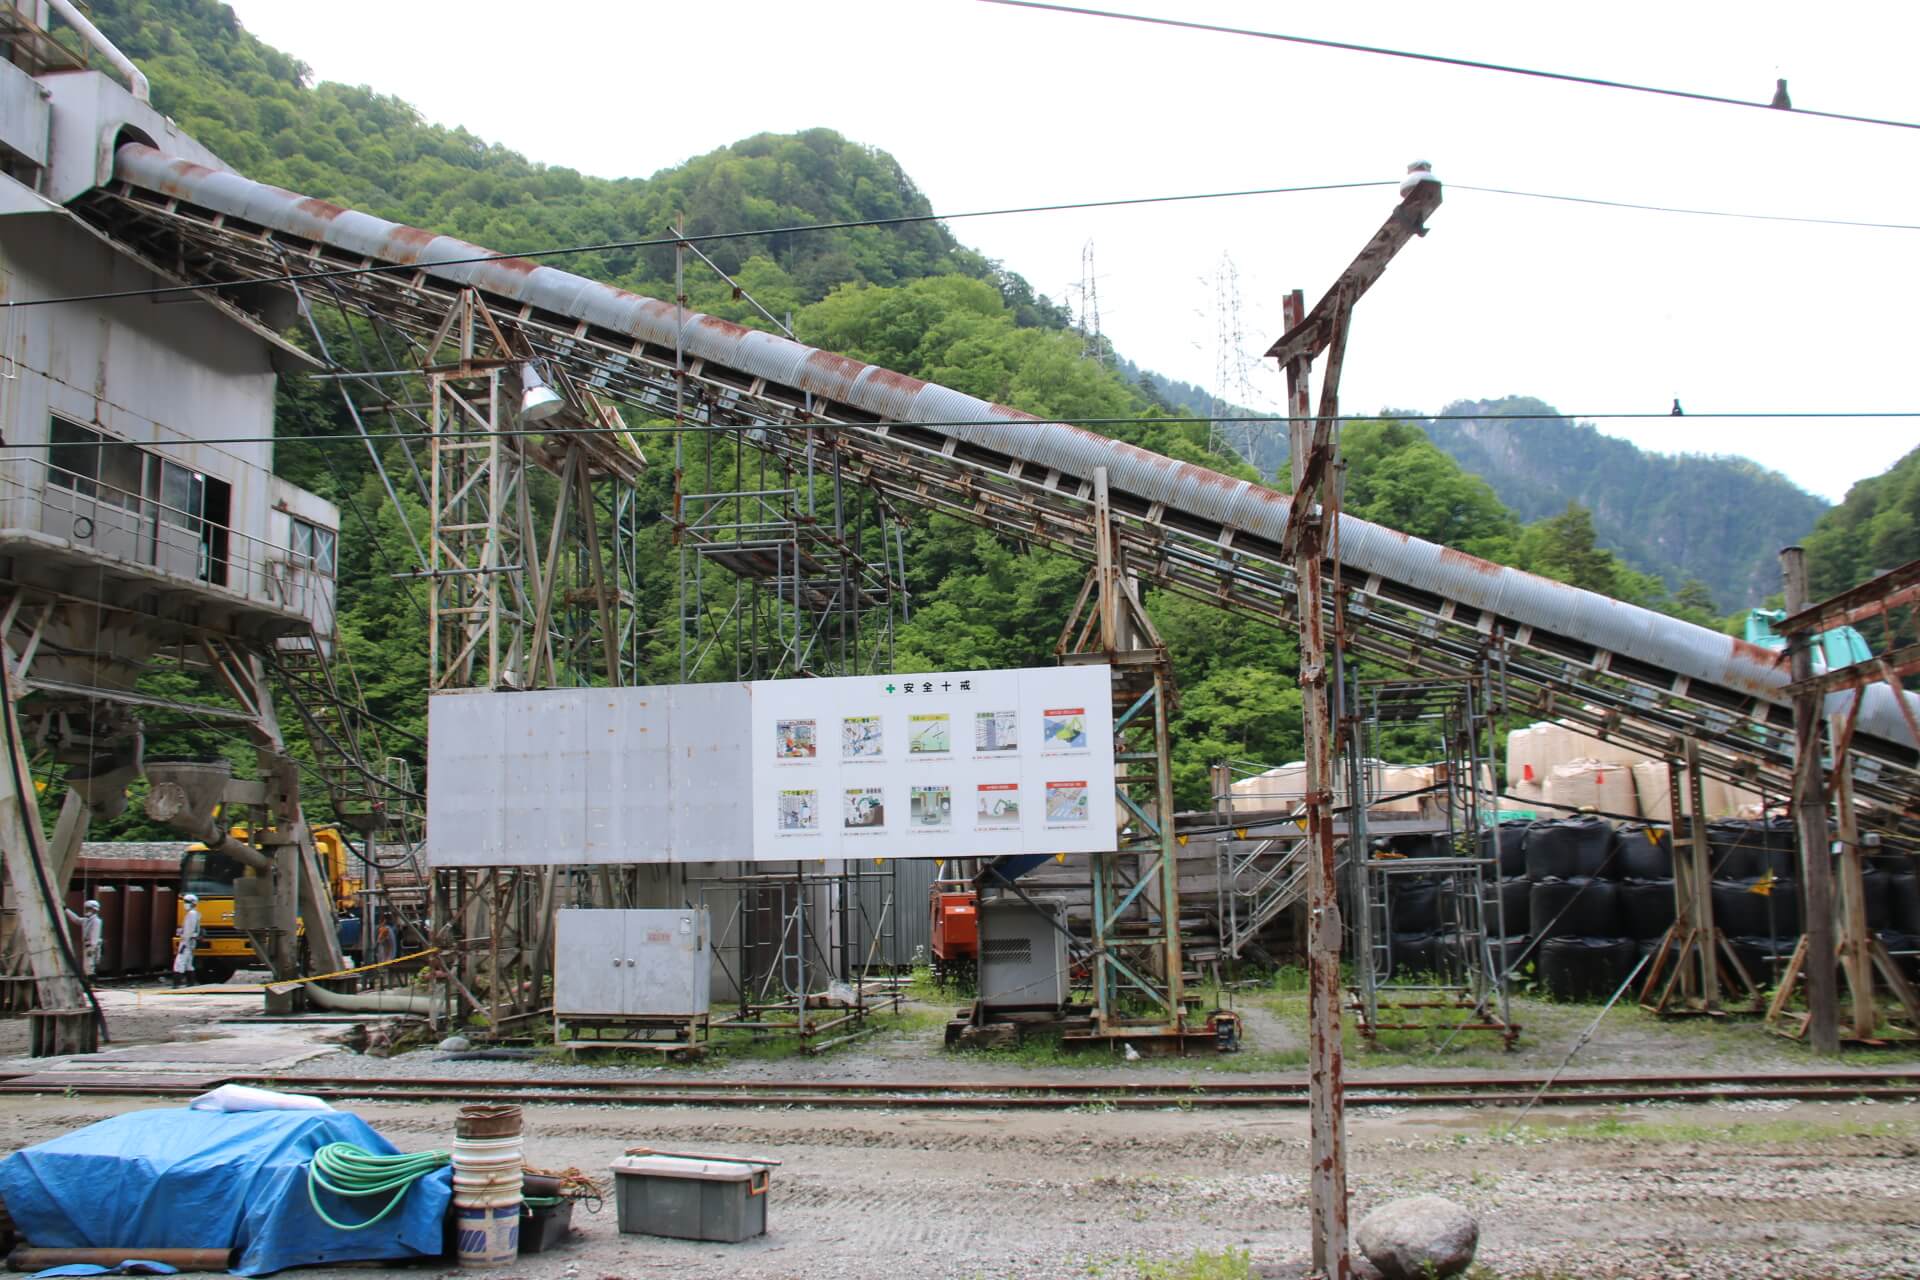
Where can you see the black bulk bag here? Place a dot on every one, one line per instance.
(1576, 968)
(1642, 852)
(1879, 896)
(1904, 947)
(1414, 952)
(1420, 844)
(1903, 901)
(1739, 911)
(1511, 952)
(1413, 902)
(1513, 847)
(1586, 907)
(1765, 959)
(1566, 848)
(1647, 908)
(1514, 896)
(1748, 848)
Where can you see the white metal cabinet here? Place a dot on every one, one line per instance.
(631, 964)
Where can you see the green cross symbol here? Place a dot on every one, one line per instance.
(889, 688)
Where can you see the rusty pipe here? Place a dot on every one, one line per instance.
(27, 1258)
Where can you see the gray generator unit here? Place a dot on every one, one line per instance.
(1023, 955)
(632, 969)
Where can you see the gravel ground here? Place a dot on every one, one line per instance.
(1748, 1189)
(1825, 1191)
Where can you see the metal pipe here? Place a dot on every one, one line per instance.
(136, 79)
(427, 1005)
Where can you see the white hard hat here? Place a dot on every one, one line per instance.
(93, 904)
(193, 898)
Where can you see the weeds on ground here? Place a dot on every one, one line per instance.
(926, 988)
(1744, 1132)
(1201, 1264)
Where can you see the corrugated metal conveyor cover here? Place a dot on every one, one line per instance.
(1609, 625)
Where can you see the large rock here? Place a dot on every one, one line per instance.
(1418, 1239)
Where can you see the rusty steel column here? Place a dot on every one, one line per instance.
(1327, 1199)
(1810, 814)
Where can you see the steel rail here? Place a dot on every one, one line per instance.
(1288, 1093)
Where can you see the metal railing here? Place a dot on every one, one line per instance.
(101, 520)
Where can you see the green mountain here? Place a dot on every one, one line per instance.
(1718, 521)
(1875, 529)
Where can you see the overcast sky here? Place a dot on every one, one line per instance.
(1593, 310)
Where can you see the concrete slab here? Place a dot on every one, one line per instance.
(246, 1053)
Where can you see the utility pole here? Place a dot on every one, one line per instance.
(1810, 813)
(1328, 1188)
(1313, 517)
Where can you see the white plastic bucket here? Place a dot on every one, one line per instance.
(486, 1187)
(486, 1157)
(487, 1228)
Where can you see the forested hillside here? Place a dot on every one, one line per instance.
(910, 298)
(1685, 517)
(1875, 529)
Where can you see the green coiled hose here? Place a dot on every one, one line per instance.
(347, 1170)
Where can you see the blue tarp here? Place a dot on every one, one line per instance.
(207, 1179)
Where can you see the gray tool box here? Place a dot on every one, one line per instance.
(690, 1198)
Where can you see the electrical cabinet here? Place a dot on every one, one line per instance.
(1023, 955)
(653, 964)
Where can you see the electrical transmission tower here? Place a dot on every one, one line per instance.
(1232, 376)
(1087, 319)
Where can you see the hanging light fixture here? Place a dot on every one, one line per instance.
(538, 401)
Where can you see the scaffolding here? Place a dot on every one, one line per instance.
(807, 949)
(814, 567)
(1468, 980)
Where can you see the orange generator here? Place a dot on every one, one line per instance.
(956, 929)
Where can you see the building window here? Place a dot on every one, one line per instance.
(95, 465)
(73, 456)
(313, 547)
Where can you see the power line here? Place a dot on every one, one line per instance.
(654, 242)
(664, 429)
(1471, 64)
(1697, 213)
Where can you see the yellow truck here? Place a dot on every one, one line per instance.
(210, 875)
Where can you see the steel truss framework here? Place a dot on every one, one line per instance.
(84, 710)
(1889, 604)
(1137, 967)
(1743, 737)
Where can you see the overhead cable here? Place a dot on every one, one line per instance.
(1471, 64)
(691, 428)
(656, 242)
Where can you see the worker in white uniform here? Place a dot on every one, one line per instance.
(185, 941)
(90, 935)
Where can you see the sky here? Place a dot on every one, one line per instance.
(1594, 310)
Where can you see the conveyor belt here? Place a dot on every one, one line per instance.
(1618, 671)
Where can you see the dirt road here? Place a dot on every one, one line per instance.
(1748, 1189)
(1784, 1191)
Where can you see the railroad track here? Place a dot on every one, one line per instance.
(1432, 1091)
